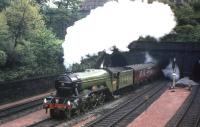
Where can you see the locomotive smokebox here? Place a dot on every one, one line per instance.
(67, 80)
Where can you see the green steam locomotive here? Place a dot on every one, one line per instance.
(78, 92)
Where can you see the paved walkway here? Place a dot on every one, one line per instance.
(27, 120)
(162, 110)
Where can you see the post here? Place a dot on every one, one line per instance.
(173, 74)
(174, 80)
(146, 97)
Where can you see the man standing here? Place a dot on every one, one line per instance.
(174, 64)
(173, 73)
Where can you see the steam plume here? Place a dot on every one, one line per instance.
(168, 71)
(116, 24)
(149, 58)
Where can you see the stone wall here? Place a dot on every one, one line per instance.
(186, 53)
(14, 90)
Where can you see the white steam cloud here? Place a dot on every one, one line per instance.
(149, 58)
(116, 24)
(168, 71)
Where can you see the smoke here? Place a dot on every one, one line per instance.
(186, 81)
(102, 64)
(149, 58)
(116, 24)
(168, 71)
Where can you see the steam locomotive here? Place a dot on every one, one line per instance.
(78, 92)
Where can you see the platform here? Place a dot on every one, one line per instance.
(162, 110)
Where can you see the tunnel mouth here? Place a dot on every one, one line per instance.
(196, 71)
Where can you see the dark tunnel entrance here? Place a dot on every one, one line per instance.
(196, 71)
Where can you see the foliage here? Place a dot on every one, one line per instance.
(27, 47)
(147, 38)
(62, 17)
(23, 19)
(184, 14)
(4, 4)
(2, 58)
(4, 32)
(68, 4)
(87, 62)
(196, 5)
(40, 1)
(184, 33)
(188, 28)
(90, 61)
(52, 49)
(4, 27)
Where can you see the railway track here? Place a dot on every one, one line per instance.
(47, 123)
(198, 122)
(18, 110)
(120, 116)
(189, 114)
(51, 122)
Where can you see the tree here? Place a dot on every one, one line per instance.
(68, 4)
(40, 1)
(23, 19)
(184, 14)
(62, 17)
(4, 33)
(34, 49)
(24, 22)
(3, 57)
(147, 39)
(4, 4)
(188, 28)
